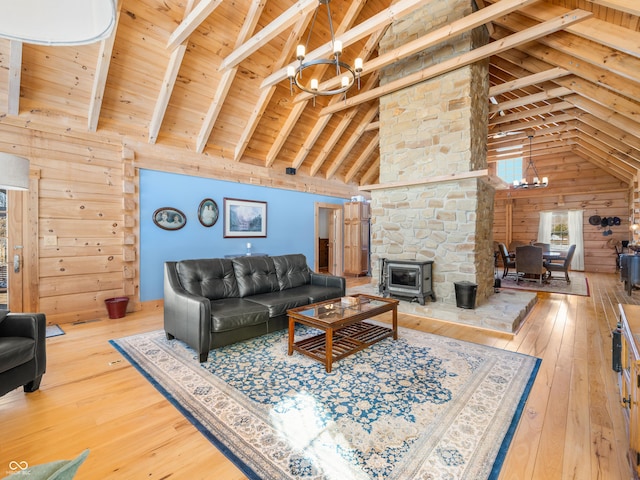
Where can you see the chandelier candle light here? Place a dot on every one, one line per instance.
(350, 75)
(536, 183)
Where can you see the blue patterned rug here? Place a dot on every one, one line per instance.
(423, 407)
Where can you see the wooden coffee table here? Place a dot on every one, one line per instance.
(345, 331)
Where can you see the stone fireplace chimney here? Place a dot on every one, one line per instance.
(432, 203)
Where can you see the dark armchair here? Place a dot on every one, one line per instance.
(22, 351)
(529, 263)
(507, 260)
(563, 265)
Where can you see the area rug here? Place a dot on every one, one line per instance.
(579, 284)
(53, 331)
(421, 407)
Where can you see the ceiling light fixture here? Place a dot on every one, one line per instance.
(15, 172)
(350, 75)
(54, 23)
(535, 183)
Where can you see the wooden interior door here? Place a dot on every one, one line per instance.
(335, 244)
(23, 248)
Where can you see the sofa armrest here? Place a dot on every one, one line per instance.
(325, 280)
(29, 325)
(186, 316)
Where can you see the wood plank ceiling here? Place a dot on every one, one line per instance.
(210, 77)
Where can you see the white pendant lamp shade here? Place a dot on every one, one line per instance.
(57, 22)
(14, 172)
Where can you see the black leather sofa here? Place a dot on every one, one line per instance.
(23, 356)
(213, 302)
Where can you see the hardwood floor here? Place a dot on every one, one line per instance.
(572, 425)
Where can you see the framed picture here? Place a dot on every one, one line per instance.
(169, 218)
(208, 212)
(245, 218)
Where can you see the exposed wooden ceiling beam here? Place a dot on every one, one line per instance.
(368, 27)
(100, 76)
(605, 113)
(319, 125)
(266, 94)
(606, 161)
(294, 115)
(226, 80)
(370, 149)
(629, 6)
(599, 31)
(539, 57)
(530, 99)
(15, 70)
(191, 22)
(371, 174)
(530, 113)
(294, 14)
(618, 134)
(450, 30)
(614, 147)
(341, 157)
(332, 141)
(536, 78)
(465, 59)
(168, 82)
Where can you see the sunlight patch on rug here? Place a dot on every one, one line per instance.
(423, 406)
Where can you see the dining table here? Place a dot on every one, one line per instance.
(551, 255)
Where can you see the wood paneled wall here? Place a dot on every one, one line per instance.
(80, 221)
(87, 213)
(575, 184)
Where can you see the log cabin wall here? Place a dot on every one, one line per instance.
(574, 184)
(85, 225)
(80, 249)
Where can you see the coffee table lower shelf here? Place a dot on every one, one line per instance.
(346, 341)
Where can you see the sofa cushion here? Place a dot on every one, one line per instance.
(3, 314)
(233, 313)
(255, 275)
(15, 351)
(316, 293)
(292, 270)
(213, 278)
(279, 302)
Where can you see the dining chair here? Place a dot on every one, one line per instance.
(562, 265)
(507, 261)
(529, 261)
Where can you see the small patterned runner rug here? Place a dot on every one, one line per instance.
(53, 331)
(421, 407)
(579, 284)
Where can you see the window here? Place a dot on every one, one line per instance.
(560, 230)
(509, 170)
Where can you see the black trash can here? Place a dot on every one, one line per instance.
(466, 294)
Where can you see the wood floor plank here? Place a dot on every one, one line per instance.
(572, 425)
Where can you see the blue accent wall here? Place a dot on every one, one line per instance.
(290, 223)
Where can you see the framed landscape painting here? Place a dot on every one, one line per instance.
(245, 218)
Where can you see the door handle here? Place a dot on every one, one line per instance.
(16, 263)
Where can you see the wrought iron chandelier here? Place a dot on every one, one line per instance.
(535, 183)
(350, 75)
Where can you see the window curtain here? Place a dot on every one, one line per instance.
(544, 227)
(576, 237)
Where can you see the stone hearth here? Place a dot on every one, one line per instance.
(504, 311)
